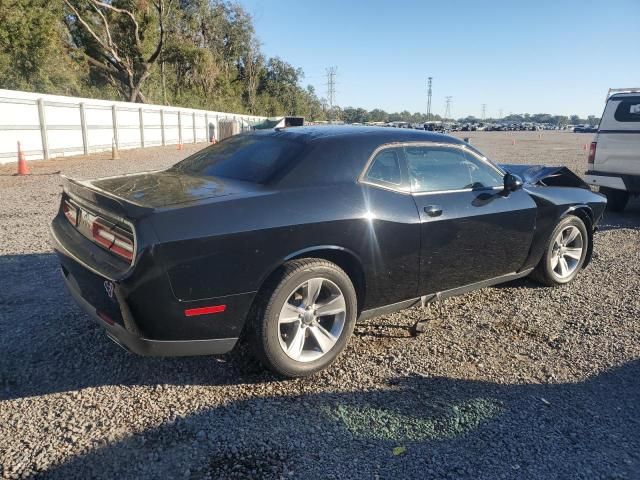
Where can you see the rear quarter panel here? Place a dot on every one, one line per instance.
(618, 153)
(618, 149)
(231, 246)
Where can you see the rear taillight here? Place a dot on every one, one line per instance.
(592, 154)
(112, 239)
(71, 212)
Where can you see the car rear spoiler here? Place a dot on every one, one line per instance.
(113, 206)
(547, 176)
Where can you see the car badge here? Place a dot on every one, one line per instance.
(109, 287)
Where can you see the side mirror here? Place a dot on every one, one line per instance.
(512, 182)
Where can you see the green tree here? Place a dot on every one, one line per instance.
(378, 115)
(33, 53)
(575, 119)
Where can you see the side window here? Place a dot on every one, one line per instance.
(435, 169)
(628, 110)
(385, 168)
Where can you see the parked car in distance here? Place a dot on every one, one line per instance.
(614, 155)
(585, 129)
(283, 238)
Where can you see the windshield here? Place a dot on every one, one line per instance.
(249, 158)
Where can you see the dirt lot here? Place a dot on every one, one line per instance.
(515, 381)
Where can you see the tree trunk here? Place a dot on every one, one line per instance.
(164, 84)
(130, 71)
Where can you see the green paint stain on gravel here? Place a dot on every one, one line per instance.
(426, 423)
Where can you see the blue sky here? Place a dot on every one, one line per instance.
(516, 56)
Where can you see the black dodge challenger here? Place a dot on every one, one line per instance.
(286, 237)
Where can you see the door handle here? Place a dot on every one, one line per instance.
(433, 210)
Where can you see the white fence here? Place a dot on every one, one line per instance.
(50, 126)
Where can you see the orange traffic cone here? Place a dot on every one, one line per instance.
(584, 147)
(513, 142)
(179, 146)
(22, 163)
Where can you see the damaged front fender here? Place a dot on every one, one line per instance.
(546, 176)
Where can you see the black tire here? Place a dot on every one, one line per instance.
(616, 199)
(264, 335)
(544, 272)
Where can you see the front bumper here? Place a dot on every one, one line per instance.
(147, 347)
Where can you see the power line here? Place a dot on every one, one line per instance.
(331, 87)
(447, 112)
(429, 81)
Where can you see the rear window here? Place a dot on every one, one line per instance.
(249, 158)
(628, 110)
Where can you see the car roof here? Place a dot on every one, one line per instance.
(623, 95)
(338, 153)
(380, 135)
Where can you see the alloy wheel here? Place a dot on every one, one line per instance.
(311, 320)
(567, 252)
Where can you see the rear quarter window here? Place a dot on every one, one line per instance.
(385, 168)
(628, 110)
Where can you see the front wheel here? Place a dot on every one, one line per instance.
(305, 317)
(565, 253)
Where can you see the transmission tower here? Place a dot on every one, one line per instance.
(447, 111)
(429, 81)
(484, 111)
(331, 88)
(500, 114)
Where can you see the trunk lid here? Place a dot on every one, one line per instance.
(136, 195)
(162, 189)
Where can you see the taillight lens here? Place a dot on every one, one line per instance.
(592, 153)
(71, 212)
(112, 240)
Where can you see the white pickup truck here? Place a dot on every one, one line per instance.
(614, 156)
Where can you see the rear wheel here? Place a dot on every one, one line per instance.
(305, 318)
(616, 199)
(565, 253)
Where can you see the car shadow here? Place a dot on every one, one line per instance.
(49, 345)
(524, 282)
(424, 427)
(629, 218)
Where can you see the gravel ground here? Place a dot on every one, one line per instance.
(515, 381)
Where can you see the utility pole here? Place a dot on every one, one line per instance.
(447, 111)
(484, 111)
(429, 81)
(331, 88)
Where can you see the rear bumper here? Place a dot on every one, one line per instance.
(113, 311)
(630, 183)
(87, 287)
(147, 347)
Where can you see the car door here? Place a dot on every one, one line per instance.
(389, 245)
(471, 229)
